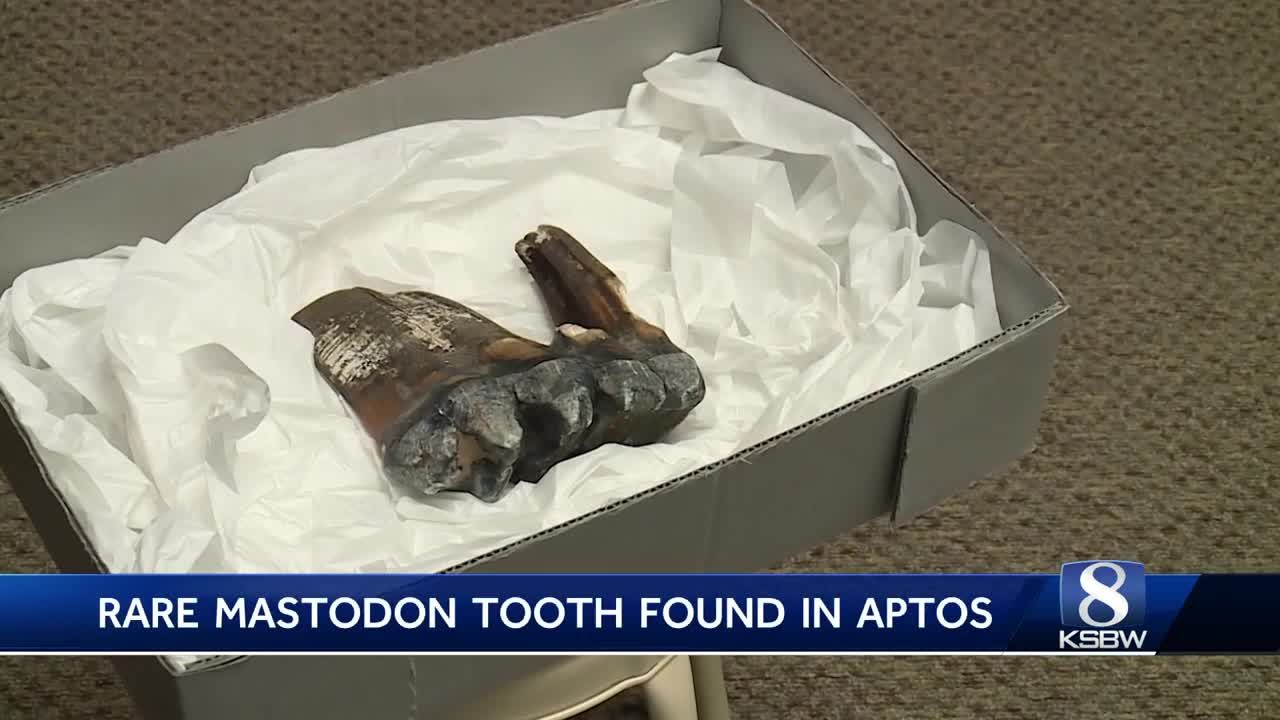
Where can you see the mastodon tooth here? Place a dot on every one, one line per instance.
(456, 402)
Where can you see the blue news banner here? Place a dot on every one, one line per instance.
(1093, 606)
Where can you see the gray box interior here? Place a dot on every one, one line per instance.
(895, 453)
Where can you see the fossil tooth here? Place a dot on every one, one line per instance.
(588, 303)
(456, 402)
(577, 288)
(434, 383)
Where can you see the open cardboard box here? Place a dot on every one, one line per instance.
(895, 453)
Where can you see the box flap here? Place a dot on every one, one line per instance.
(979, 412)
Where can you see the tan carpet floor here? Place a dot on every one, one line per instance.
(1130, 147)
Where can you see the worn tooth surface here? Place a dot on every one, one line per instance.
(489, 433)
(631, 385)
(425, 457)
(684, 385)
(557, 409)
(486, 411)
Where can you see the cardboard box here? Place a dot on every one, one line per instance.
(895, 453)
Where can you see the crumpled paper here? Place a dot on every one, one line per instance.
(177, 408)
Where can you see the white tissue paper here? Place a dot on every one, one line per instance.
(178, 409)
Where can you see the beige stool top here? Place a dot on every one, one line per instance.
(566, 689)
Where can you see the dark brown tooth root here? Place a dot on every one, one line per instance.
(575, 285)
(544, 276)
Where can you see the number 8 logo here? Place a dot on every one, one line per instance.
(1095, 591)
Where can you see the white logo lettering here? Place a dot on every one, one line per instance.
(1095, 591)
(1101, 639)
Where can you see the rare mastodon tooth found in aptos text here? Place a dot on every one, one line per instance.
(456, 402)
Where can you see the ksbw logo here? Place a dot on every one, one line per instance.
(1106, 600)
